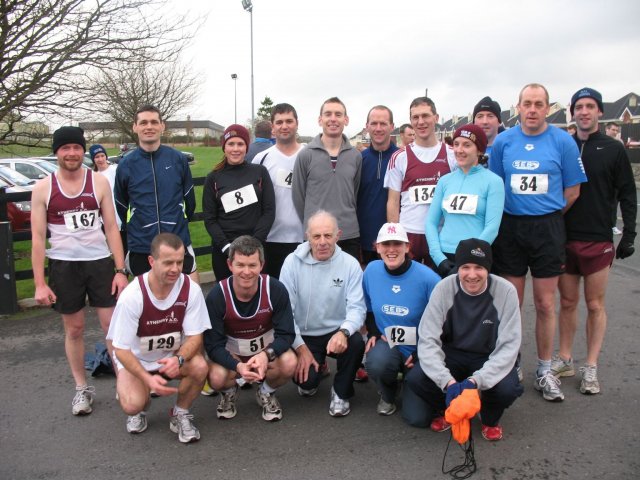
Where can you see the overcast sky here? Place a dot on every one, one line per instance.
(370, 52)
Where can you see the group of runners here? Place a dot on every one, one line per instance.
(409, 260)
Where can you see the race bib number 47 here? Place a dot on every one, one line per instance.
(83, 220)
(421, 194)
(529, 184)
(461, 203)
(239, 198)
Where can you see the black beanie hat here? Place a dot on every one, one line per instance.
(487, 105)
(474, 250)
(65, 135)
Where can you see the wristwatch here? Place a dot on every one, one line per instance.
(345, 332)
(271, 353)
(180, 360)
(122, 271)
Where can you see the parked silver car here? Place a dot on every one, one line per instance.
(32, 168)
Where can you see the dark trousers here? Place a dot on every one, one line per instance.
(351, 246)
(461, 365)
(219, 263)
(348, 363)
(274, 255)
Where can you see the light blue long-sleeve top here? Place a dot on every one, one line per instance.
(456, 194)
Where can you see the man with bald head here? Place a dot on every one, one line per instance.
(541, 167)
(325, 289)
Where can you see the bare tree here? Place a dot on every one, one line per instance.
(48, 49)
(117, 94)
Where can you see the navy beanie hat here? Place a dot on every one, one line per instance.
(586, 92)
(96, 149)
(66, 135)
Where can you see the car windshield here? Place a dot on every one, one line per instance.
(15, 177)
(48, 166)
(3, 184)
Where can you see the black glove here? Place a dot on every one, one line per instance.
(446, 268)
(625, 248)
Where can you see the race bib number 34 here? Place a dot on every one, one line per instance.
(400, 335)
(239, 198)
(421, 194)
(83, 220)
(529, 184)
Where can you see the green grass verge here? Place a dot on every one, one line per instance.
(206, 158)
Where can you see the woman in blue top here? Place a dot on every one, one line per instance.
(396, 291)
(471, 200)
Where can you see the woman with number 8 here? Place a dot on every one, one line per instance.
(237, 199)
(470, 200)
(396, 292)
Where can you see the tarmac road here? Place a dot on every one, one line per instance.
(584, 437)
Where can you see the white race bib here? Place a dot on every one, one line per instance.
(529, 184)
(463, 203)
(83, 220)
(400, 335)
(167, 342)
(421, 194)
(283, 178)
(247, 347)
(239, 198)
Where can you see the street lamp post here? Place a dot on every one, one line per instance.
(248, 6)
(234, 77)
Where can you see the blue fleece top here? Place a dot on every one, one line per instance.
(454, 190)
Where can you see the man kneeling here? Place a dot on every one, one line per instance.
(469, 337)
(252, 331)
(157, 330)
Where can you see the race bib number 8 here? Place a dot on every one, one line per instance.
(421, 194)
(168, 341)
(83, 220)
(283, 178)
(239, 198)
(247, 347)
(400, 335)
(529, 184)
(461, 203)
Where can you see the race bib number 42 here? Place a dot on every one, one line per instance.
(83, 220)
(529, 184)
(400, 335)
(421, 194)
(239, 198)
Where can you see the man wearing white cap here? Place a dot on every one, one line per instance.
(396, 291)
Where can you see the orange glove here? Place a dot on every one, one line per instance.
(462, 409)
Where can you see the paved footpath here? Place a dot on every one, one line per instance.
(581, 438)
